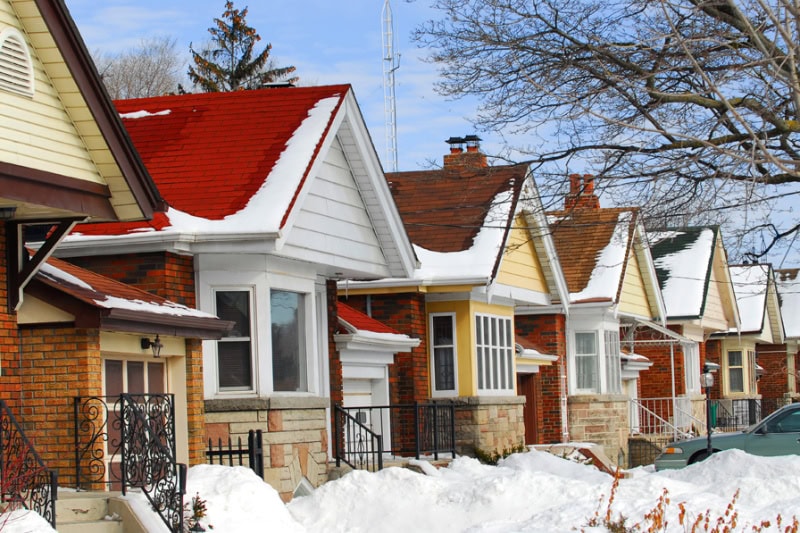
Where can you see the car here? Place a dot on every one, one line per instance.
(777, 434)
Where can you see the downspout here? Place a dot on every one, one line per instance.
(674, 400)
(564, 414)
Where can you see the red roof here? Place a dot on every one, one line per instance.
(362, 322)
(209, 153)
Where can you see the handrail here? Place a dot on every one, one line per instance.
(24, 479)
(666, 423)
(356, 444)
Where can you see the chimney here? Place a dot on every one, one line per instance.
(458, 158)
(581, 193)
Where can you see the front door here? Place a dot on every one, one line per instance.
(527, 386)
(131, 376)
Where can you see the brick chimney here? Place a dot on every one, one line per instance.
(581, 193)
(458, 158)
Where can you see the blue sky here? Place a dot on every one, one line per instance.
(328, 41)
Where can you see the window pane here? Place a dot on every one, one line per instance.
(585, 344)
(444, 371)
(442, 331)
(494, 351)
(288, 347)
(155, 378)
(586, 372)
(234, 365)
(736, 380)
(235, 307)
(135, 377)
(114, 385)
(735, 358)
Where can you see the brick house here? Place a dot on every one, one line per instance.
(612, 288)
(273, 195)
(692, 268)
(781, 373)
(487, 265)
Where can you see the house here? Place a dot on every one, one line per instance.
(484, 254)
(781, 372)
(692, 268)
(273, 195)
(736, 349)
(612, 288)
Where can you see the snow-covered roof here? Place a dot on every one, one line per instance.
(788, 284)
(683, 265)
(360, 329)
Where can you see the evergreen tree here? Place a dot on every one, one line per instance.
(227, 63)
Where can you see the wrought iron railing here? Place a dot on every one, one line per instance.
(670, 418)
(128, 441)
(356, 444)
(24, 479)
(411, 429)
(738, 414)
(231, 454)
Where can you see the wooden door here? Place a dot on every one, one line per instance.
(527, 386)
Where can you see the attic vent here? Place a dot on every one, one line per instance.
(16, 68)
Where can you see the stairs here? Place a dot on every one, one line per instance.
(86, 512)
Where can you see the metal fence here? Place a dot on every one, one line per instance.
(232, 455)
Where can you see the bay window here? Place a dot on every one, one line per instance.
(495, 351)
(586, 362)
(288, 341)
(234, 350)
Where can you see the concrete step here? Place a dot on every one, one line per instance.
(86, 512)
(94, 526)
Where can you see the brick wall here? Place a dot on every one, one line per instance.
(295, 436)
(409, 375)
(713, 354)
(774, 382)
(9, 338)
(657, 381)
(547, 333)
(58, 363)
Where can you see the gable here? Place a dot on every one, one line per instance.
(56, 135)
(634, 299)
(520, 265)
(332, 226)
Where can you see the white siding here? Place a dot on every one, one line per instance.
(333, 227)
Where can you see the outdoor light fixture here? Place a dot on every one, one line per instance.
(707, 381)
(7, 213)
(155, 345)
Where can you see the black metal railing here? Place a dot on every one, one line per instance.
(356, 444)
(738, 414)
(416, 429)
(230, 454)
(24, 479)
(128, 441)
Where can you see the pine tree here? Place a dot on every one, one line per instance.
(227, 64)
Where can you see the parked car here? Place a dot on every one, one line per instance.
(778, 434)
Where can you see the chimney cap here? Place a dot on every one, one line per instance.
(472, 138)
(456, 140)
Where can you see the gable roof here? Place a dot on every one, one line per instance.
(98, 301)
(126, 191)
(594, 246)
(756, 299)
(788, 284)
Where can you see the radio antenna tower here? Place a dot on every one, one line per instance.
(391, 62)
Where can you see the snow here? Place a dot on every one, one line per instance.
(687, 269)
(56, 274)
(143, 114)
(789, 290)
(533, 492)
(607, 273)
(750, 287)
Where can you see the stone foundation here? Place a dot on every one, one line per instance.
(601, 419)
(490, 424)
(294, 431)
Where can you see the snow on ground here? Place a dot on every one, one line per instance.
(534, 492)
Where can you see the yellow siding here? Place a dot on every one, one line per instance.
(465, 337)
(520, 266)
(37, 132)
(633, 297)
(714, 316)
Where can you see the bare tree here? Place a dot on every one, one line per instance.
(688, 107)
(151, 69)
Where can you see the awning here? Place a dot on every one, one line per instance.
(672, 336)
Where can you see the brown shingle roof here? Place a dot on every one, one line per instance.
(443, 210)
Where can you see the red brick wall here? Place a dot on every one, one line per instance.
(166, 274)
(334, 357)
(58, 363)
(409, 375)
(656, 381)
(774, 382)
(9, 339)
(547, 333)
(713, 354)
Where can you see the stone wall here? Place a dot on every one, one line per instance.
(489, 424)
(294, 431)
(601, 419)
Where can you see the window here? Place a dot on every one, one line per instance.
(586, 362)
(234, 350)
(443, 346)
(735, 371)
(495, 351)
(613, 362)
(753, 373)
(691, 363)
(134, 377)
(288, 341)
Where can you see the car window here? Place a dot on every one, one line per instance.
(788, 423)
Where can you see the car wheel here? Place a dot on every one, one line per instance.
(699, 456)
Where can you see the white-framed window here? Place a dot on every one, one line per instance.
(494, 340)
(134, 376)
(287, 322)
(443, 353)
(691, 365)
(613, 362)
(735, 371)
(753, 372)
(586, 362)
(235, 366)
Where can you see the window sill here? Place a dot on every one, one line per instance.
(266, 404)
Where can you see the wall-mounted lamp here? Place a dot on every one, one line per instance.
(155, 345)
(7, 213)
